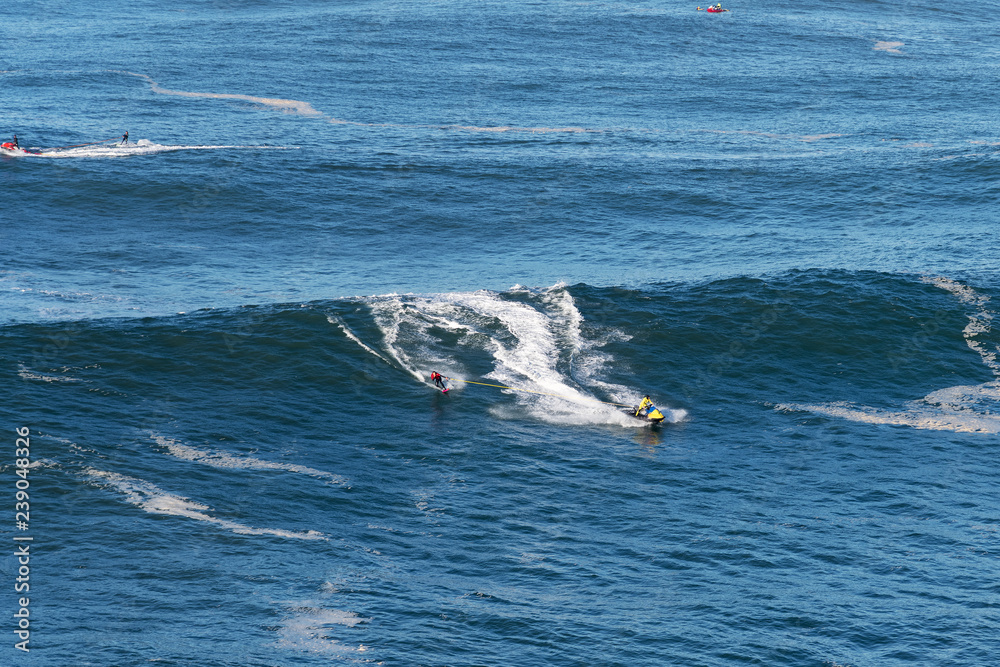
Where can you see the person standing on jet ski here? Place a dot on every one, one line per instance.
(16, 145)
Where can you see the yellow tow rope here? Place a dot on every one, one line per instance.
(531, 391)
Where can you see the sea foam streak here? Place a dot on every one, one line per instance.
(309, 629)
(155, 500)
(291, 106)
(306, 109)
(233, 461)
(971, 409)
(333, 319)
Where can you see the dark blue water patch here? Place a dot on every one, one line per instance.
(773, 334)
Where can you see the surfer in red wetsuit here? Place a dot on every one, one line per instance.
(438, 380)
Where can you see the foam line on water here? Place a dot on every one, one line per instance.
(302, 108)
(333, 319)
(888, 47)
(510, 128)
(232, 461)
(290, 106)
(808, 138)
(917, 416)
(150, 498)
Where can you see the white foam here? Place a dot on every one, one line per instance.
(227, 460)
(530, 360)
(155, 500)
(917, 416)
(888, 47)
(532, 344)
(310, 629)
(546, 338)
(587, 362)
(289, 106)
(333, 319)
(512, 128)
(27, 374)
(41, 463)
(807, 138)
(140, 147)
(980, 320)
(412, 317)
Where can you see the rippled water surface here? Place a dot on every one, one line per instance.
(778, 222)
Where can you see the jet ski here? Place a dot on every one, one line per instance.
(646, 411)
(10, 147)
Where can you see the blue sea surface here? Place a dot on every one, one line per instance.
(779, 222)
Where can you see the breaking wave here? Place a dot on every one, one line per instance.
(963, 408)
(531, 339)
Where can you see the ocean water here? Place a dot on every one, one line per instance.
(779, 222)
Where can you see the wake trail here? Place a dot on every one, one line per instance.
(533, 340)
(333, 319)
(140, 147)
